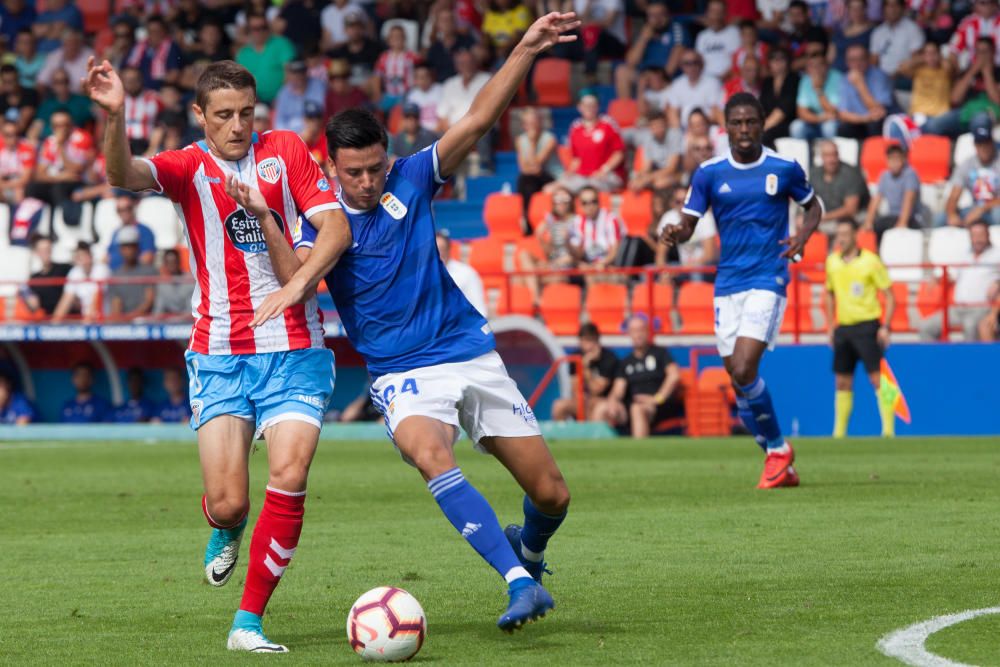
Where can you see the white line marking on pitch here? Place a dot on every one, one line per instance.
(907, 644)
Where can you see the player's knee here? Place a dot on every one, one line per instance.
(289, 475)
(743, 373)
(431, 460)
(227, 510)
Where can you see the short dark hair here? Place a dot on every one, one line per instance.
(156, 18)
(84, 365)
(590, 330)
(800, 4)
(895, 149)
(354, 128)
(37, 238)
(849, 221)
(747, 23)
(744, 100)
(223, 74)
(655, 114)
(979, 221)
(7, 68)
(84, 246)
(985, 39)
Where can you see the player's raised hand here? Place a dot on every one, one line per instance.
(103, 86)
(247, 197)
(796, 245)
(276, 303)
(550, 30)
(676, 234)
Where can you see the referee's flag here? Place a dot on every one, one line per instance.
(890, 392)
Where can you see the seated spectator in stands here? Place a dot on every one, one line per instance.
(818, 99)
(176, 409)
(333, 19)
(341, 94)
(132, 297)
(142, 107)
(301, 22)
(598, 152)
(697, 149)
(982, 22)
(261, 118)
(394, 70)
(466, 277)
(600, 365)
(899, 187)
(425, 93)
(700, 127)
(313, 134)
(45, 297)
(537, 156)
(125, 205)
(504, 23)
(930, 103)
(977, 286)
(298, 89)
(70, 57)
(653, 90)
(446, 42)
(212, 44)
(661, 155)
(122, 43)
(659, 47)
(15, 16)
(16, 101)
(896, 39)
(137, 409)
(15, 409)
(51, 24)
(596, 234)
(17, 162)
(360, 51)
(745, 79)
(976, 92)
(702, 249)
(171, 132)
(718, 41)
(173, 292)
(778, 95)
(265, 55)
(412, 137)
(86, 407)
(457, 94)
(60, 99)
(82, 291)
(840, 186)
(865, 96)
(157, 56)
(29, 61)
(646, 390)
(856, 29)
(555, 236)
(694, 89)
(750, 45)
(980, 175)
(803, 36)
(603, 31)
(63, 159)
(269, 10)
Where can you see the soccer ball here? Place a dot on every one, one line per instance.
(386, 624)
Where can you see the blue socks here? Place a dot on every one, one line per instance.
(758, 399)
(746, 416)
(473, 517)
(538, 528)
(245, 620)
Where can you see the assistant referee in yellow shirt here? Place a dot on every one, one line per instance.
(854, 277)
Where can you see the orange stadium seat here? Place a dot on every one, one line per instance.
(713, 407)
(694, 303)
(565, 155)
(929, 298)
(900, 317)
(930, 157)
(813, 262)
(521, 300)
(800, 300)
(663, 301)
(606, 306)
(103, 40)
(873, 161)
(184, 254)
(95, 14)
(560, 308)
(539, 207)
(638, 160)
(395, 119)
(625, 112)
(529, 245)
(551, 82)
(637, 211)
(23, 314)
(502, 215)
(867, 240)
(486, 257)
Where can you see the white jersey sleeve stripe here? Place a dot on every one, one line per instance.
(805, 200)
(322, 207)
(690, 211)
(437, 165)
(152, 169)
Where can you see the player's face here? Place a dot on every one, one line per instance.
(745, 129)
(228, 122)
(361, 172)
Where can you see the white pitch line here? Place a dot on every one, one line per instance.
(907, 644)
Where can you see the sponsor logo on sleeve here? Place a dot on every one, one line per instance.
(322, 185)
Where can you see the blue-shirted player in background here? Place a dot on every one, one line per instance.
(748, 191)
(429, 352)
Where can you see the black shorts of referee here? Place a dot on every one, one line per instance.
(854, 342)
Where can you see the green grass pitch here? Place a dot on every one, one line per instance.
(669, 555)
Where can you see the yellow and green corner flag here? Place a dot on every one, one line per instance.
(891, 394)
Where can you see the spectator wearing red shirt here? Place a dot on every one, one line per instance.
(598, 152)
(341, 93)
(17, 161)
(142, 107)
(750, 45)
(745, 79)
(63, 160)
(394, 70)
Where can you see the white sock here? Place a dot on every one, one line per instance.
(533, 556)
(516, 573)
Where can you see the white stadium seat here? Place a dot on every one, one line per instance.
(903, 246)
(159, 215)
(848, 149)
(995, 235)
(106, 221)
(948, 245)
(67, 237)
(4, 226)
(933, 196)
(797, 149)
(15, 267)
(964, 149)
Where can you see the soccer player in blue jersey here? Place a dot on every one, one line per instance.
(748, 191)
(429, 352)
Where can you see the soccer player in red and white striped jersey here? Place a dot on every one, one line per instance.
(239, 196)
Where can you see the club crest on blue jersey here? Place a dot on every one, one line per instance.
(771, 184)
(244, 230)
(393, 206)
(269, 170)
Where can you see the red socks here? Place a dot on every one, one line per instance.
(272, 546)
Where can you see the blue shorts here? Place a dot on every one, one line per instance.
(262, 388)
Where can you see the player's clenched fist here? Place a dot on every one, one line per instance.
(103, 86)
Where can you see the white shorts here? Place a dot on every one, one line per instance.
(477, 395)
(756, 314)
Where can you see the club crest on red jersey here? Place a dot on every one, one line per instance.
(269, 170)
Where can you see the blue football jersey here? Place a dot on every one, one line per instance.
(95, 409)
(399, 306)
(750, 205)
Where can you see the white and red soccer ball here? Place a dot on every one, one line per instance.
(386, 624)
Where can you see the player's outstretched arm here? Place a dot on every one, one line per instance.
(104, 87)
(797, 243)
(496, 95)
(676, 234)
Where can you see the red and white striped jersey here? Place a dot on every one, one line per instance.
(17, 159)
(963, 42)
(597, 237)
(79, 150)
(396, 70)
(140, 114)
(229, 257)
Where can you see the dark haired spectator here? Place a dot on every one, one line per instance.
(394, 70)
(299, 20)
(425, 93)
(693, 89)
(63, 160)
(745, 79)
(980, 175)
(45, 297)
(840, 186)
(71, 57)
(660, 155)
(659, 46)
(777, 95)
(313, 127)
(360, 51)
(15, 100)
(295, 93)
(211, 44)
(504, 23)
(896, 39)
(51, 23)
(173, 293)
(718, 41)
(818, 99)
(855, 30)
(599, 366)
(750, 45)
(976, 92)
(555, 236)
(457, 94)
(931, 99)
(537, 156)
(15, 16)
(15, 409)
(187, 18)
(60, 98)
(653, 90)
(17, 162)
(697, 148)
(142, 107)
(158, 57)
(984, 21)
(602, 34)
(334, 21)
(598, 152)
(29, 61)
(131, 296)
(85, 407)
(412, 137)
(265, 55)
(122, 43)
(865, 96)
(173, 129)
(466, 277)
(341, 94)
(240, 21)
(803, 35)
(137, 408)
(596, 235)
(176, 409)
(899, 187)
(446, 42)
(125, 206)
